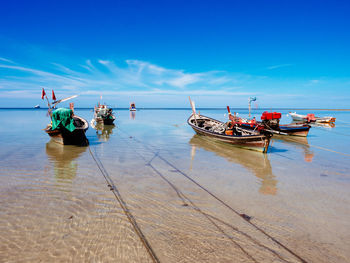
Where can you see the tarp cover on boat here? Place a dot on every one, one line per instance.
(62, 118)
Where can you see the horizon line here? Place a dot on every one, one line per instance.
(181, 108)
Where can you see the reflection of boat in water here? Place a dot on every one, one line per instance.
(103, 132)
(298, 142)
(132, 115)
(324, 125)
(63, 157)
(256, 163)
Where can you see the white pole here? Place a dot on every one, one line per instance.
(193, 110)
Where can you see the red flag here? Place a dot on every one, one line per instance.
(43, 94)
(53, 95)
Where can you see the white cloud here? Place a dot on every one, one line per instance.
(279, 66)
(6, 60)
(144, 79)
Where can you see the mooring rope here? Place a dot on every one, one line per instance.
(183, 197)
(315, 146)
(210, 217)
(125, 208)
(217, 198)
(330, 131)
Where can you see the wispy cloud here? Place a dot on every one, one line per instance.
(139, 77)
(142, 79)
(6, 60)
(279, 66)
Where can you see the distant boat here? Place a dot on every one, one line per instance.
(311, 118)
(103, 114)
(37, 106)
(132, 107)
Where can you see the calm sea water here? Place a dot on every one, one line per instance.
(185, 192)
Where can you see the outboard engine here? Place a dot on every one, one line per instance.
(271, 119)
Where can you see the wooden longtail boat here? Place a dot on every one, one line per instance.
(103, 114)
(65, 127)
(270, 121)
(240, 137)
(311, 118)
(285, 129)
(64, 136)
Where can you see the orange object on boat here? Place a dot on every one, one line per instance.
(229, 132)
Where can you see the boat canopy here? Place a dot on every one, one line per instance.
(63, 118)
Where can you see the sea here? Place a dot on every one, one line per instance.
(148, 189)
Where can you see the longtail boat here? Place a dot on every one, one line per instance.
(103, 114)
(235, 135)
(65, 127)
(311, 118)
(270, 121)
(132, 106)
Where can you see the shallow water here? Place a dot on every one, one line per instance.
(184, 191)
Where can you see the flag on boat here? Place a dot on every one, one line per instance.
(43, 94)
(53, 95)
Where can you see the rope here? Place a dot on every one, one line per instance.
(126, 210)
(218, 199)
(209, 217)
(318, 147)
(331, 131)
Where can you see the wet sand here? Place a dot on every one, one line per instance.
(187, 194)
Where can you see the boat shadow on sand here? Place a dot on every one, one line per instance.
(255, 162)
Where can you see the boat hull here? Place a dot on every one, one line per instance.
(303, 118)
(108, 121)
(258, 143)
(302, 130)
(65, 137)
(105, 121)
(286, 130)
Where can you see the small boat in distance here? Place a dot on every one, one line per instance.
(103, 114)
(235, 135)
(132, 106)
(37, 106)
(311, 118)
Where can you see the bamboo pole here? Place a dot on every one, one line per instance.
(193, 110)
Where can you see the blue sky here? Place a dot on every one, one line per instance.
(287, 53)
